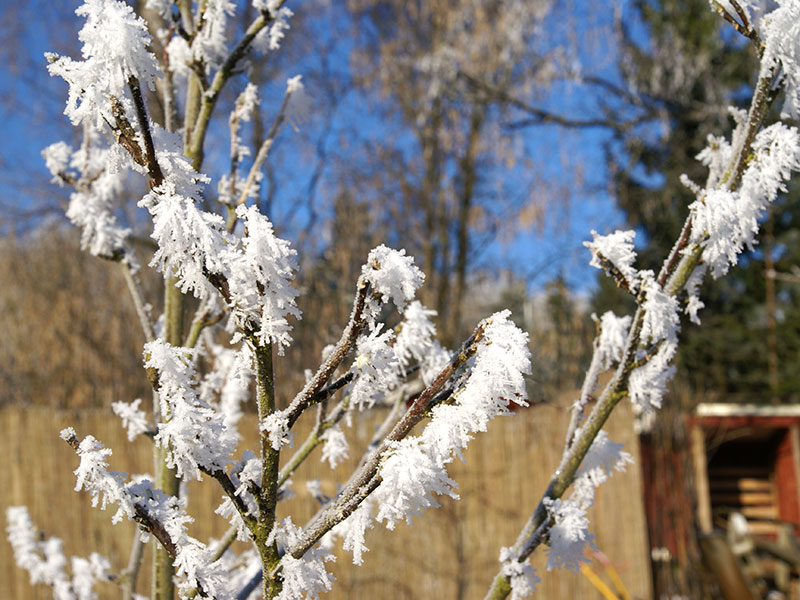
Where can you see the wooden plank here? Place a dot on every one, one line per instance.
(763, 527)
(744, 484)
(786, 479)
(698, 443)
(743, 499)
(794, 435)
(760, 512)
(729, 423)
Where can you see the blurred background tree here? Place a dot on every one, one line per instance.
(406, 140)
(690, 68)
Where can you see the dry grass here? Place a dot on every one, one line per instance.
(448, 553)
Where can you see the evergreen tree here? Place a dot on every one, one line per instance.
(691, 64)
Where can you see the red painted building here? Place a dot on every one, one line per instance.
(746, 459)
(698, 469)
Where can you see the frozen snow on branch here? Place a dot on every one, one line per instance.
(97, 186)
(693, 302)
(192, 558)
(521, 574)
(209, 47)
(243, 110)
(104, 486)
(416, 341)
(661, 320)
(410, 478)
(304, 577)
(260, 280)
(377, 368)
(192, 561)
(660, 325)
(417, 334)
(299, 102)
(243, 476)
(57, 158)
(716, 214)
(617, 249)
(613, 334)
(227, 385)
(114, 49)
(416, 468)
(190, 241)
(496, 381)
(569, 535)
(726, 222)
(775, 154)
(393, 275)
(45, 561)
(194, 434)
(781, 36)
(277, 427)
(354, 529)
(86, 572)
(192, 244)
(270, 37)
(134, 419)
(605, 455)
(336, 448)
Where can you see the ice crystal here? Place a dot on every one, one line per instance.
(193, 433)
(613, 334)
(393, 275)
(336, 448)
(617, 249)
(114, 50)
(522, 575)
(134, 420)
(304, 577)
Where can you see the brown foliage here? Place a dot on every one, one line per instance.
(70, 333)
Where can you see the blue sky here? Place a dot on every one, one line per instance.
(572, 162)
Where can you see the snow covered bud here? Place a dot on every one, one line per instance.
(114, 49)
(393, 275)
(615, 254)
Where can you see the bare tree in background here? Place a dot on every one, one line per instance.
(423, 57)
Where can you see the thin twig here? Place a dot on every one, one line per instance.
(589, 384)
(365, 478)
(355, 324)
(142, 516)
(264, 149)
(153, 168)
(227, 486)
(131, 573)
(138, 301)
(196, 142)
(539, 115)
(314, 437)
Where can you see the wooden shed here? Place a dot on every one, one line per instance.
(746, 459)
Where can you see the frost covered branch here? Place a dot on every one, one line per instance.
(159, 515)
(355, 324)
(271, 12)
(240, 192)
(366, 478)
(756, 167)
